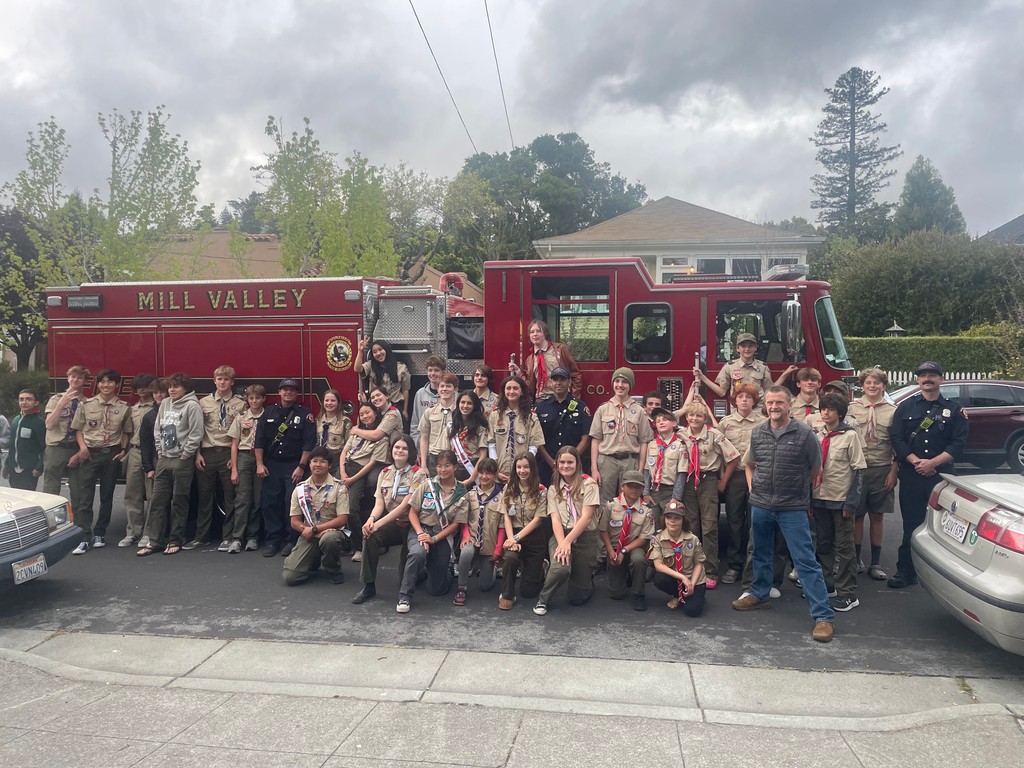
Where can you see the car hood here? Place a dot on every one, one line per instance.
(1008, 490)
(12, 499)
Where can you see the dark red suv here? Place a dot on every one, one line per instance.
(995, 409)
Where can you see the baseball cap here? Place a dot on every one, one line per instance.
(559, 373)
(928, 366)
(673, 508)
(659, 411)
(633, 476)
(745, 337)
(288, 384)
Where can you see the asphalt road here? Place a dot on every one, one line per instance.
(204, 593)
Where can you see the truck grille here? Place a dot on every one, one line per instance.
(673, 391)
(23, 531)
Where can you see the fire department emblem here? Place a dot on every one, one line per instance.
(339, 353)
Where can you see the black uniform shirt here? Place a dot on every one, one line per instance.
(285, 434)
(926, 428)
(563, 423)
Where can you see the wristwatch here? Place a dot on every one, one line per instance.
(515, 538)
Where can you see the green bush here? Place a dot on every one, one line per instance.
(11, 382)
(980, 354)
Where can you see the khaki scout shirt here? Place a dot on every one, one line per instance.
(362, 451)
(736, 429)
(436, 424)
(138, 412)
(395, 486)
(392, 425)
(738, 372)
(325, 501)
(102, 423)
(488, 507)
(845, 454)
(874, 425)
(803, 411)
(715, 450)
(589, 495)
(524, 437)
(521, 510)
(620, 427)
(57, 435)
(393, 388)
(641, 526)
(243, 429)
(338, 430)
(676, 459)
(218, 413)
(455, 504)
(489, 402)
(690, 550)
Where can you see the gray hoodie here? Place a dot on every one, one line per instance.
(179, 427)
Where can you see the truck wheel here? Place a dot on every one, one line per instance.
(1015, 456)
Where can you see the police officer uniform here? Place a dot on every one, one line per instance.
(563, 423)
(926, 429)
(284, 435)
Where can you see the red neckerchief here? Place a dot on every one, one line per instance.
(659, 464)
(677, 547)
(627, 523)
(542, 371)
(694, 458)
(824, 452)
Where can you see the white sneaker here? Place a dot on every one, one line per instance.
(224, 546)
(81, 549)
(403, 605)
(127, 541)
(793, 576)
(357, 557)
(234, 547)
(98, 542)
(144, 542)
(252, 545)
(774, 594)
(540, 609)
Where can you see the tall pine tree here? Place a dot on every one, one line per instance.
(855, 166)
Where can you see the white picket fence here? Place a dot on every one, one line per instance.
(900, 378)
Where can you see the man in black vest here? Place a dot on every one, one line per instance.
(285, 435)
(782, 462)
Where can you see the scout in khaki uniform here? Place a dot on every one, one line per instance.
(388, 522)
(245, 520)
(871, 414)
(678, 560)
(60, 458)
(478, 536)
(574, 503)
(138, 489)
(745, 370)
(626, 527)
(102, 427)
(385, 371)
(620, 432)
(438, 508)
(213, 461)
(390, 427)
(436, 423)
(361, 461)
(469, 436)
(835, 498)
(524, 508)
(711, 462)
(333, 428)
(805, 404)
(482, 375)
(666, 458)
(514, 428)
(319, 510)
(736, 428)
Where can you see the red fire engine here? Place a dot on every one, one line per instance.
(609, 312)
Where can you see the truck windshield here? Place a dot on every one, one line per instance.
(831, 338)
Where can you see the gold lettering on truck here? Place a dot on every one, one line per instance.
(146, 301)
(274, 298)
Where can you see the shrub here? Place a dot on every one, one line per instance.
(980, 354)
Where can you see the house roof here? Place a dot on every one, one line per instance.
(208, 256)
(675, 221)
(1010, 232)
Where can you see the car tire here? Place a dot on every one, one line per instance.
(1015, 456)
(986, 462)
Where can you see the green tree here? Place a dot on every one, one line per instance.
(367, 248)
(855, 165)
(927, 203)
(928, 282)
(247, 212)
(22, 300)
(416, 211)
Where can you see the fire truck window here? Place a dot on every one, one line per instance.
(575, 308)
(648, 333)
(764, 319)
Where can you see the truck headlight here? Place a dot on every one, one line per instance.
(58, 516)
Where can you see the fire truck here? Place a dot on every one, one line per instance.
(609, 311)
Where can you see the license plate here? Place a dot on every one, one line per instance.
(26, 570)
(955, 527)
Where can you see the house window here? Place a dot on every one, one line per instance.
(746, 267)
(711, 266)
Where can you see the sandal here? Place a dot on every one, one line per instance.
(876, 573)
(146, 552)
(172, 550)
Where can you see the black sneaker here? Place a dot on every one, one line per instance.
(287, 549)
(843, 604)
(368, 592)
(639, 603)
(337, 578)
(899, 580)
(271, 549)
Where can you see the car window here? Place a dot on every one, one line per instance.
(1018, 395)
(989, 396)
(950, 392)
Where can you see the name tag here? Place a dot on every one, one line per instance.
(615, 523)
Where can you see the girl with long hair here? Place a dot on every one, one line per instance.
(515, 430)
(469, 435)
(525, 507)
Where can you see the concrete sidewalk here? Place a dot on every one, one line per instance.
(82, 699)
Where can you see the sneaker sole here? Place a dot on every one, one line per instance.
(844, 609)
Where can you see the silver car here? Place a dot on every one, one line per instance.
(969, 554)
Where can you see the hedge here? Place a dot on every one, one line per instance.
(954, 353)
(11, 382)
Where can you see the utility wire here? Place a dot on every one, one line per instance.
(443, 80)
(498, 69)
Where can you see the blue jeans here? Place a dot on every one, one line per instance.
(797, 533)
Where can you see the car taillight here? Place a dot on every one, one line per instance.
(1003, 527)
(933, 499)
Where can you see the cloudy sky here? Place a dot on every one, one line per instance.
(709, 101)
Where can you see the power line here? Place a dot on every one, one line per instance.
(443, 80)
(498, 69)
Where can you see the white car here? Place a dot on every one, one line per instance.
(36, 530)
(969, 554)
